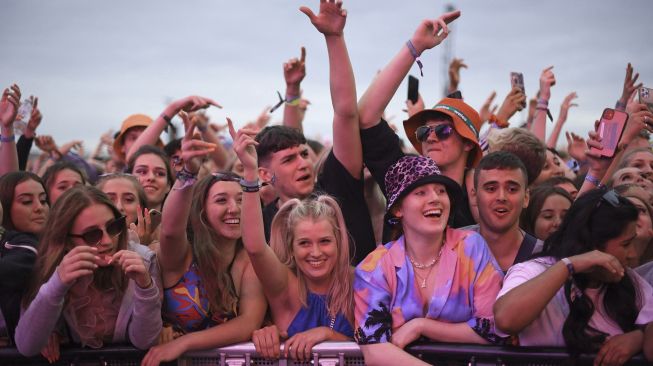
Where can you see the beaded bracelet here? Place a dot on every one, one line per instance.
(10, 138)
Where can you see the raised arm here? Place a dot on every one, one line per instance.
(294, 72)
(454, 74)
(272, 273)
(628, 89)
(547, 80)
(562, 118)
(176, 209)
(429, 33)
(346, 134)
(8, 109)
(153, 131)
(219, 155)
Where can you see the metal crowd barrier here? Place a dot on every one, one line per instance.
(324, 354)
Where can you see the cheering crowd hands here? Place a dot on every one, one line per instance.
(454, 73)
(487, 109)
(192, 149)
(34, 118)
(629, 88)
(9, 105)
(547, 80)
(190, 104)
(294, 72)
(431, 33)
(413, 108)
(514, 102)
(567, 103)
(331, 19)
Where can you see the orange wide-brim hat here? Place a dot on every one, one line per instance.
(135, 120)
(466, 122)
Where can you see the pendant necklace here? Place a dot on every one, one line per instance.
(429, 265)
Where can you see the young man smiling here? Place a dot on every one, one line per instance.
(501, 193)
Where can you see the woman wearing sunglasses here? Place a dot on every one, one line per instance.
(580, 293)
(212, 296)
(87, 275)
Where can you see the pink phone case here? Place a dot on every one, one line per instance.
(611, 127)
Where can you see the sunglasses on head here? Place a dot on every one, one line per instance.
(441, 131)
(93, 237)
(610, 197)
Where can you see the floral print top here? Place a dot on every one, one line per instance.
(386, 292)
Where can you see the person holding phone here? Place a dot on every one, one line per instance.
(579, 292)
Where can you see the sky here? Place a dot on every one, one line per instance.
(93, 63)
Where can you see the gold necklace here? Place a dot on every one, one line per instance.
(430, 266)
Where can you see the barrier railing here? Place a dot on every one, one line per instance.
(324, 354)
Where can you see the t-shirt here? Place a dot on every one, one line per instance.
(336, 181)
(546, 330)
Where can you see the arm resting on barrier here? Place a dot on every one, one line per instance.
(388, 354)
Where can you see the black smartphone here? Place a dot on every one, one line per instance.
(413, 88)
(456, 95)
(155, 218)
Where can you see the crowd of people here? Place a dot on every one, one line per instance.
(461, 236)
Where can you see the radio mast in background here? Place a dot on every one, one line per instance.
(448, 51)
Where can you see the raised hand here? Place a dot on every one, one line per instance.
(244, 145)
(431, 32)
(597, 162)
(331, 19)
(34, 119)
(294, 70)
(9, 105)
(74, 144)
(576, 147)
(547, 80)
(143, 226)
(80, 261)
(454, 73)
(192, 149)
(515, 101)
(640, 119)
(413, 108)
(629, 85)
(566, 104)
(46, 143)
(486, 110)
(193, 103)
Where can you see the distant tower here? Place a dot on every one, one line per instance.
(448, 51)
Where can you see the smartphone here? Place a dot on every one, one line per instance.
(456, 95)
(611, 127)
(646, 97)
(413, 88)
(517, 80)
(155, 218)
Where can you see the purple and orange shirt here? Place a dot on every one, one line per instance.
(468, 280)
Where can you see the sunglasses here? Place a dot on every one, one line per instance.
(93, 237)
(441, 131)
(610, 197)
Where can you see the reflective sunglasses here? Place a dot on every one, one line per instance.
(93, 237)
(441, 131)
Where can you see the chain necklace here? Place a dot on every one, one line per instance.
(429, 265)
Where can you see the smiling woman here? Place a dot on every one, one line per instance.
(87, 276)
(25, 211)
(433, 281)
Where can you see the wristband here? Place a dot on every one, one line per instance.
(499, 123)
(620, 106)
(292, 99)
(594, 180)
(186, 177)
(413, 52)
(570, 266)
(250, 186)
(10, 138)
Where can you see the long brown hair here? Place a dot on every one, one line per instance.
(340, 297)
(55, 241)
(208, 249)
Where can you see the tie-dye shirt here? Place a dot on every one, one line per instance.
(467, 281)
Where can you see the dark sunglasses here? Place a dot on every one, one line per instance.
(93, 237)
(441, 131)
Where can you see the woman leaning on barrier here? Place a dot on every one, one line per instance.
(86, 274)
(212, 297)
(434, 282)
(579, 292)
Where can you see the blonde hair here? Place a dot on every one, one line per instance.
(340, 297)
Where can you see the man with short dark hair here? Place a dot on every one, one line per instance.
(501, 193)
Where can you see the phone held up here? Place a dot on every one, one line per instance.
(517, 80)
(646, 97)
(611, 127)
(413, 88)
